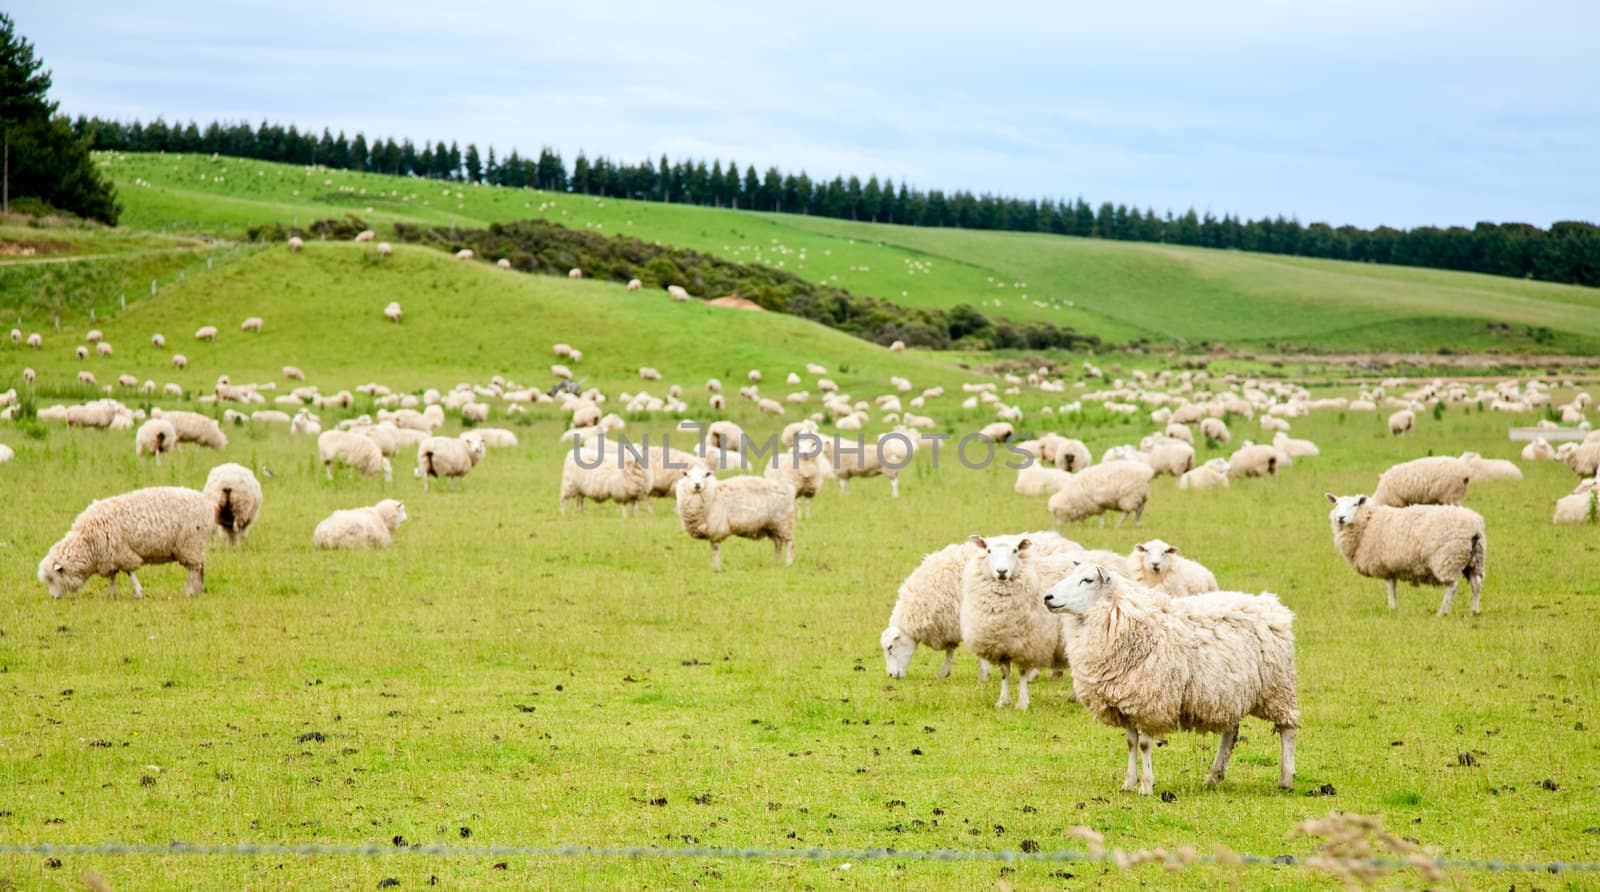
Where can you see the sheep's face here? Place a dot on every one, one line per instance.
(1156, 555)
(1079, 591)
(699, 479)
(897, 650)
(1002, 555)
(1345, 509)
(57, 577)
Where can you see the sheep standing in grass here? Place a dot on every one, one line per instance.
(206, 333)
(749, 507)
(253, 323)
(887, 456)
(1439, 480)
(360, 527)
(35, 341)
(803, 469)
(237, 494)
(676, 292)
(155, 437)
(605, 475)
(1169, 457)
(6, 453)
(635, 284)
(1421, 544)
(1402, 422)
(1003, 617)
(1215, 429)
(1212, 473)
(1038, 480)
(392, 312)
(385, 249)
(928, 611)
(354, 450)
(1157, 565)
(295, 244)
(179, 361)
(667, 467)
(192, 427)
(1151, 664)
(447, 457)
(1580, 506)
(157, 525)
(1112, 486)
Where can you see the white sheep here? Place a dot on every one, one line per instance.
(1490, 468)
(1169, 457)
(1538, 450)
(676, 292)
(1421, 544)
(81, 352)
(647, 373)
(609, 474)
(1211, 474)
(206, 333)
(192, 427)
(1151, 664)
(635, 284)
(385, 249)
(1157, 565)
(237, 495)
(155, 437)
(103, 348)
(6, 453)
(1251, 460)
(502, 263)
(354, 450)
(1437, 480)
(464, 254)
(371, 527)
(1003, 618)
(293, 374)
(1293, 447)
(35, 341)
(366, 235)
(1038, 480)
(927, 611)
(574, 273)
(392, 311)
(748, 507)
(253, 323)
(887, 455)
(157, 525)
(179, 361)
(804, 468)
(1111, 486)
(1402, 422)
(448, 457)
(1580, 505)
(1584, 460)
(1215, 429)
(295, 244)
(16, 335)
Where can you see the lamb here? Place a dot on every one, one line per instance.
(206, 333)
(1211, 474)
(251, 324)
(614, 475)
(1421, 544)
(1250, 460)
(1580, 506)
(1538, 450)
(1215, 429)
(927, 611)
(1112, 486)
(156, 525)
(1157, 565)
(749, 507)
(360, 527)
(392, 312)
(803, 469)
(354, 450)
(1003, 617)
(1439, 480)
(155, 437)
(446, 457)
(192, 427)
(237, 494)
(1490, 468)
(1152, 664)
(1402, 422)
(1038, 480)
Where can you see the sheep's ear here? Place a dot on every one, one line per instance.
(60, 568)
(1361, 501)
(978, 541)
(1331, 497)
(1172, 549)
(1021, 546)
(1139, 548)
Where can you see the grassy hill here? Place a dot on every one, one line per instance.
(1119, 291)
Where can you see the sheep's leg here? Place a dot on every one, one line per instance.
(1147, 773)
(1138, 514)
(1286, 771)
(138, 590)
(1449, 597)
(563, 509)
(1005, 685)
(1390, 584)
(788, 553)
(1219, 767)
(1476, 580)
(777, 550)
(716, 555)
(894, 487)
(1130, 781)
(1022, 684)
(327, 468)
(949, 661)
(844, 487)
(1102, 521)
(113, 591)
(649, 507)
(197, 580)
(1121, 519)
(983, 671)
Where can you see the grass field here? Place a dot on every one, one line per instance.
(1119, 291)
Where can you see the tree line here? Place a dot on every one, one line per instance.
(1568, 251)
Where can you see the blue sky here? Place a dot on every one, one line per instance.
(1347, 111)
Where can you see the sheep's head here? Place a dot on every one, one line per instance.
(1003, 555)
(699, 479)
(395, 509)
(897, 650)
(1155, 555)
(1078, 592)
(1345, 509)
(57, 576)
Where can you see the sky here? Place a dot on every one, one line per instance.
(1397, 112)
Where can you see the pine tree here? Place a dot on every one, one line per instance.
(474, 164)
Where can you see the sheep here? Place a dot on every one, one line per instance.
(1585, 459)
(927, 611)
(1402, 422)
(371, 527)
(1003, 618)
(676, 292)
(561, 372)
(6, 453)
(293, 374)
(1294, 448)
(392, 312)
(1152, 664)
(769, 407)
(16, 335)
(605, 475)
(253, 323)
(647, 373)
(86, 379)
(1421, 544)
(103, 348)
(155, 437)
(1579, 506)
(354, 450)
(1157, 565)
(179, 361)
(749, 507)
(725, 435)
(475, 412)
(1215, 429)
(156, 525)
(1117, 485)
(1038, 480)
(886, 456)
(237, 495)
(754, 376)
(1212, 473)
(206, 333)
(897, 347)
(502, 263)
(1170, 457)
(1490, 468)
(295, 244)
(1439, 480)
(28, 374)
(192, 427)
(998, 432)
(496, 437)
(1250, 460)
(635, 284)
(446, 457)
(366, 235)
(574, 273)
(81, 352)
(1538, 450)
(803, 469)
(305, 423)
(668, 466)
(385, 249)
(464, 254)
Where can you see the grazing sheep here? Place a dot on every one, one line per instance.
(667, 467)
(293, 374)
(385, 249)
(605, 475)
(1152, 664)
(1215, 429)
(1585, 459)
(1538, 450)
(295, 244)
(748, 507)
(725, 435)
(448, 457)
(1250, 460)
(1421, 544)
(366, 235)
(927, 611)
(28, 374)
(103, 348)
(804, 469)
(1157, 565)
(155, 437)
(1490, 468)
(1003, 618)
(1170, 457)
(237, 495)
(1068, 454)
(1579, 507)
(887, 456)
(305, 423)
(1112, 486)
(1439, 480)
(179, 361)
(206, 333)
(354, 450)
(86, 379)
(1038, 480)
(392, 312)
(360, 527)
(503, 263)
(253, 323)
(81, 352)
(496, 437)
(6, 453)
(647, 373)
(1402, 422)
(464, 254)
(574, 273)
(1212, 473)
(157, 525)
(192, 427)
(1294, 448)
(769, 407)
(897, 347)
(676, 292)
(998, 432)
(635, 284)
